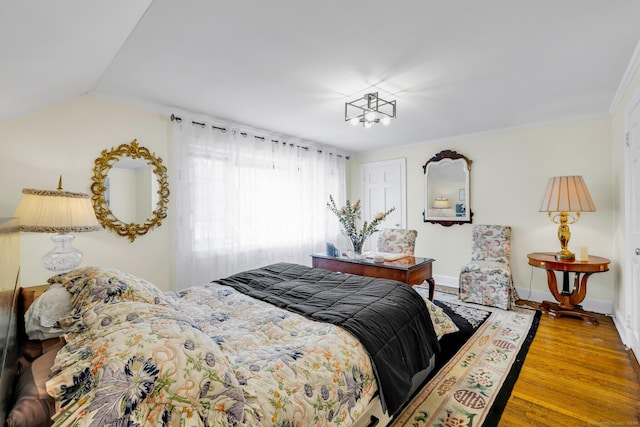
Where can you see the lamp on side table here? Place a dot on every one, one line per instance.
(568, 300)
(564, 199)
(62, 213)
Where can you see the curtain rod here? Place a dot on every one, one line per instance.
(179, 120)
(244, 134)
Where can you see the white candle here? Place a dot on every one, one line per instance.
(582, 253)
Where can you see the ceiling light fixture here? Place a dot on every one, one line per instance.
(368, 110)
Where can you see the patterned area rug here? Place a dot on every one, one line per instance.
(473, 386)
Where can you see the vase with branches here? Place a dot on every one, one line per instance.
(348, 215)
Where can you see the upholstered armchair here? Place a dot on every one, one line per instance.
(487, 278)
(397, 241)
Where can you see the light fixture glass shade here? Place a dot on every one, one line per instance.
(62, 212)
(441, 203)
(567, 194)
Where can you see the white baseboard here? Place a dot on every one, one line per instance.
(620, 325)
(448, 281)
(589, 304)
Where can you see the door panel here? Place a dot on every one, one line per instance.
(384, 187)
(632, 290)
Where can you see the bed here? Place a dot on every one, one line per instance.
(269, 346)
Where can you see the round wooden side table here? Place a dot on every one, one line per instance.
(568, 299)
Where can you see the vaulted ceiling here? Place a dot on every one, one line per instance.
(455, 67)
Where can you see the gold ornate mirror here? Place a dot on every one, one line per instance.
(130, 190)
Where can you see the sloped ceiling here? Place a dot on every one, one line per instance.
(454, 67)
(54, 50)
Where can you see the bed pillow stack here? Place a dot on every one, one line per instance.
(41, 319)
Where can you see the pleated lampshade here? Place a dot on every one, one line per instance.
(62, 213)
(567, 194)
(47, 211)
(441, 203)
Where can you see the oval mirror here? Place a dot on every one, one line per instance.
(446, 183)
(130, 191)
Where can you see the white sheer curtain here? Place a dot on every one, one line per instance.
(245, 200)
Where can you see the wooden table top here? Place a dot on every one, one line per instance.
(405, 263)
(548, 260)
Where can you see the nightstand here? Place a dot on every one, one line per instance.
(568, 300)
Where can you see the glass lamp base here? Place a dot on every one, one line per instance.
(63, 257)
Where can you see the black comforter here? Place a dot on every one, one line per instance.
(389, 318)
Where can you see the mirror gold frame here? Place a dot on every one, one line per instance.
(103, 165)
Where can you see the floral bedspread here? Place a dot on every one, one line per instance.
(203, 357)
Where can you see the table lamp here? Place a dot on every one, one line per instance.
(441, 203)
(565, 198)
(60, 212)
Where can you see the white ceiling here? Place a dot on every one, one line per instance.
(455, 67)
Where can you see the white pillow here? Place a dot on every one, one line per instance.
(41, 319)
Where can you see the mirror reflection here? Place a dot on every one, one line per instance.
(447, 189)
(132, 190)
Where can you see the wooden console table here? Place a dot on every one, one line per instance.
(409, 270)
(568, 300)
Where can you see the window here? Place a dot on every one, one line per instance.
(246, 201)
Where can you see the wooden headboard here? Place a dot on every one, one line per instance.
(9, 286)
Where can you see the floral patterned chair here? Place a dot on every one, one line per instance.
(397, 241)
(487, 278)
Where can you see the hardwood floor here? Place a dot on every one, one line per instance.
(576, 375)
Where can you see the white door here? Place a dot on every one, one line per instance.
(632, 156)
(384, 187)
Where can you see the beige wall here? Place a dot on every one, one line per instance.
(66, 139)
(509, 173)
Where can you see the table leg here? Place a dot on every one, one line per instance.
(432, 287)
(553, 285)
(568, 299)
(555, 310)
(580, 291)
(565, 295)
(565, 283)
